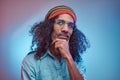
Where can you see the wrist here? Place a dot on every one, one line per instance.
(69, 58)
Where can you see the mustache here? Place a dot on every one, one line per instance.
(64, 34)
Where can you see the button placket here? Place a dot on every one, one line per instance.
(58, 70)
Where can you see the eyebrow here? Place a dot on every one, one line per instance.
(66, 20)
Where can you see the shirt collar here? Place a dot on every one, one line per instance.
(47, 53)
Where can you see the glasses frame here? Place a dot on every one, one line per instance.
(62, 22)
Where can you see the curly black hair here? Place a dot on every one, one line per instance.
(42, 38)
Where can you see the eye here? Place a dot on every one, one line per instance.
(60, 22)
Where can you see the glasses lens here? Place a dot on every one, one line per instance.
(70, 24)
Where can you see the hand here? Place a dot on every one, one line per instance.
(62, 46)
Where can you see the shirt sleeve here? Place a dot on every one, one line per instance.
(82, 69)
(27, 70)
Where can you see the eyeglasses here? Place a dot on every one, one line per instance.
(63, 22)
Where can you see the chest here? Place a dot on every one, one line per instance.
(52, 70)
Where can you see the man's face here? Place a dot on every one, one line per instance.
(63, 27)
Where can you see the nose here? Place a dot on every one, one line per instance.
(65, 28)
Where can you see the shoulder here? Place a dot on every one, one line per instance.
(29, 59)
(81, 65)
(82, 68)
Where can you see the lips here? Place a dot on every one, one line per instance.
(64, 37)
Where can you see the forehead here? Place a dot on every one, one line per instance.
(66, 17)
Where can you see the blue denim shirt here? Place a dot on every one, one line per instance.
(47, 68)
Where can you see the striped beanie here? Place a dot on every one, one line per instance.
(62, 9)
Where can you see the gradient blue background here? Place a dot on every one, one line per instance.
(98, 19)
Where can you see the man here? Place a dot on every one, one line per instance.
(58, 47)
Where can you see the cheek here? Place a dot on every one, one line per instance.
(70, 32)
(56, 29)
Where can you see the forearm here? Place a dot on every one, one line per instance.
(62, 47)
(73, 71)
